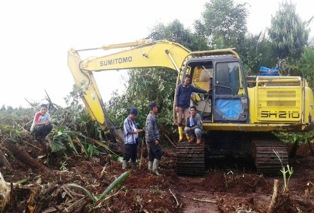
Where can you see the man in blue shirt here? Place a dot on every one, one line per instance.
(130, 138)
(183, 96)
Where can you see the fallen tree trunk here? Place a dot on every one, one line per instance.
(5, 161)
(24, 157)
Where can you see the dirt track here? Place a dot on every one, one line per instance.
(234, 188)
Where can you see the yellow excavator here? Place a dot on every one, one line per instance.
(239, 114)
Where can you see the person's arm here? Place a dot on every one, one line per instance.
(188, 124)
(48, 121)
(198, 122)
(128, 128)
(138, 130)
(177, 97)
(150, 128)
(198, 90)
(156, 131)
(37, 122)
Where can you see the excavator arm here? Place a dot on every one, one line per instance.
(140, 54)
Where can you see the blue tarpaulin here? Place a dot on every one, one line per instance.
(265, 71)
(229, 108)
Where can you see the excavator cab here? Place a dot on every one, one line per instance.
(223, 77)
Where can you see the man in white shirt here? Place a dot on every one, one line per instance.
(41, 125)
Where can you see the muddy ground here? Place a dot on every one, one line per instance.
(230, 185)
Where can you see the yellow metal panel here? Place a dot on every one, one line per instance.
(252, 108)
(308, 105)
(149, 55)
(280, 104)
(252, 127)
(278, 99)
(86, 82)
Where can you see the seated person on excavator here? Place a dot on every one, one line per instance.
(194, 127)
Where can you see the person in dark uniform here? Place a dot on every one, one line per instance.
(152, 138)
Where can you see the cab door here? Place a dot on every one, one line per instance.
(230, 99)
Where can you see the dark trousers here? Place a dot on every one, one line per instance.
(154, 151)
(130, 152)
(42, 131)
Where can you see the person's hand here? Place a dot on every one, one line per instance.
(139, 131)
(177, 109)
(188, 129)
(156, 142)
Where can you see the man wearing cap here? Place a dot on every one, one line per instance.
(183, 96)
(152, 138)
(130, 138)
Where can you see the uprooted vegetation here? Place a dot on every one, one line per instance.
(78, 172)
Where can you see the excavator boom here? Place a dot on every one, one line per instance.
(140, 54)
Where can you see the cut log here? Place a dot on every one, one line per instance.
(24, 157)
(274, 199)
(5, 161)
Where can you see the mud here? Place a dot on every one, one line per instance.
(228, 186)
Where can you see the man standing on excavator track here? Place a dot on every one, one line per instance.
(183, 96)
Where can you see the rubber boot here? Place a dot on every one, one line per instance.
(180, 130)
(134, 165)
(191, 140)
(198, 141)
(150, 165)
(187, 137)
(155, 167)
(124, 164)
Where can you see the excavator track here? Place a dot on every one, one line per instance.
(190, 159)
(266, 161)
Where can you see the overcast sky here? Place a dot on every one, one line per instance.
(36, 35)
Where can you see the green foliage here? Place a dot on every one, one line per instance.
(144, 86)
(291, 137)
(14, 121)
(284, 172)
(98, 198)
(306, 65)
(224, 23)
(288, 32)
(73, 129)
(75, 116)
(91, 150)
(63, 166)
(256, 51)
(176, 32)
(61, 141)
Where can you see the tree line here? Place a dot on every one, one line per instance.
(223, 24)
